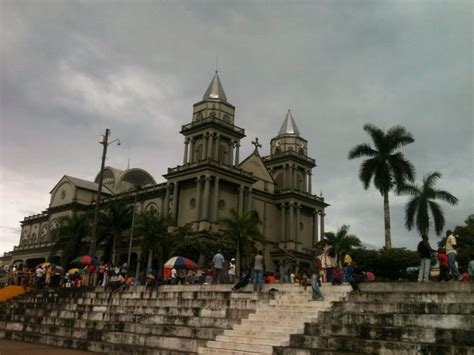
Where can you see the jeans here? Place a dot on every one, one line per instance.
(452, 266)
(329, 274)
(257, 280)
(424, 274)
(287, 269)
(316, 294)
(355, 280)
(347, 273)
(217, 276)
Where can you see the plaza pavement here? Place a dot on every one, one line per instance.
(9, 347)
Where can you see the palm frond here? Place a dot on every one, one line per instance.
(402, 168)
(446, 196)
(377, 135)
(362, 150)
(367, 170)
(410, 212)
(430, 179)
(422, 216)
(438, 216)
(397, 137)
(412, 190)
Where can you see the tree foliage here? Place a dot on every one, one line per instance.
(341, 242)
(114, 221)
(69, 235)
(387, 264)
(386, 167)
(153, 229)
(465, 241)
(422, 202)
(242, 229)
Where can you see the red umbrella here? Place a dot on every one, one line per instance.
(85, 260)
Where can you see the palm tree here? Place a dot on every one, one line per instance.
(69, 235)
(243, 229)
(341, 242)
(113, 222)
(154, 229)
(422, 202)
(386, 166)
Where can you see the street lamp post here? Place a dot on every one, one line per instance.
(137, 188)
(104, 140)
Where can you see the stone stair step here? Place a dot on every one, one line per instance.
(109, 348)
(405, 297)
(264, 333)
(342, 343)
(406, 334)
(399, 319)
(253, 340)
(269, 328)
(210, 351)
(261, 349)
(405, 307)
(415, 287)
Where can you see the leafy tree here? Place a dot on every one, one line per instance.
(69, 235)
(153, 228)
(200, 246)
(243, 230)
(386, 166)
(465, 241)
(341, 242)
(113, 223)
(423, 202)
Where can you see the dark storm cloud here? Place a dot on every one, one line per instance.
(71, 69)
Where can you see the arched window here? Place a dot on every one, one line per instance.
(279, 181)
(198, 153)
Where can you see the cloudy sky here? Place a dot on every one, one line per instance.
(70, 69)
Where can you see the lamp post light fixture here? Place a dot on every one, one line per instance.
(104, 140)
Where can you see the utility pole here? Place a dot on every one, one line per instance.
(104, 140)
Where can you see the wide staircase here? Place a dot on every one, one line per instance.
(272, 323)
(393, 318)
(174, 320)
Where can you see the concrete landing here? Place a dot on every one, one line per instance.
(9, 347)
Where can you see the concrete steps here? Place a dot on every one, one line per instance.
(393, 318)
(177, 317)
(272, 323)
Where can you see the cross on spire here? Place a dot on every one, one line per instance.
(256, 144)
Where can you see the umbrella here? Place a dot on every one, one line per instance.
(180, 262)
(44, 265)
(73, 271)
(85, 260)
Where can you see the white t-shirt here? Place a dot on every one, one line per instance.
(173, 273)
(258, 262)
(231, 269)
(449, 244)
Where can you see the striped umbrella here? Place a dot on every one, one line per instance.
(85, 260)
(180, 262)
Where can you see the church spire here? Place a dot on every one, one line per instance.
(289, 126)
(215, 91)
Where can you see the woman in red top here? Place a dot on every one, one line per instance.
(443, 265)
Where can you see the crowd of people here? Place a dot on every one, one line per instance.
(324, 268)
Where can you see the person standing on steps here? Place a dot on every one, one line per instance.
(451, 250)
(443, 265)
(258, 272)
(424, 252)
(231, 271)
(218, 261)
(316, 270)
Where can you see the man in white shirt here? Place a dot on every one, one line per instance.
(451, 251)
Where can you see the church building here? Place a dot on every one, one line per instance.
(210, 181)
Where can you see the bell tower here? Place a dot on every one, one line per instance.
(212, 134)
(289, 162)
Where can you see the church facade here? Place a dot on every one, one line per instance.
(210, 181)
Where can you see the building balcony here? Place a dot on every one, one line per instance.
(290, 153)
(213, 120)
(209, 162)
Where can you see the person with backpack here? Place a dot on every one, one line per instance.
(424, 252)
